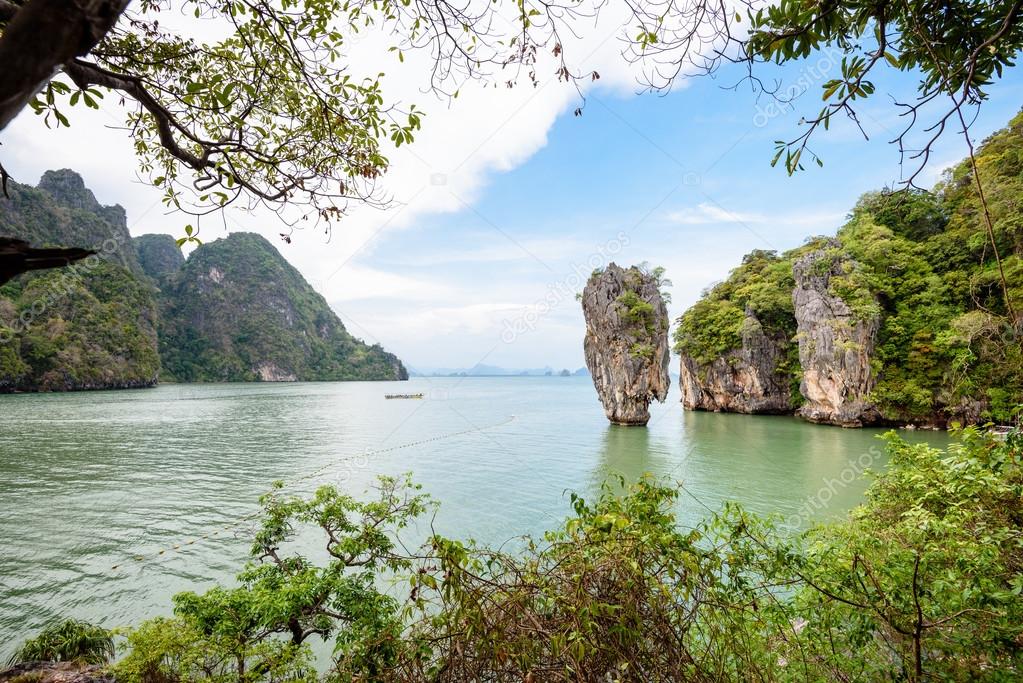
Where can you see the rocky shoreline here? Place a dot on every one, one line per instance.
(55, 672)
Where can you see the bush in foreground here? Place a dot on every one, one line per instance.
(67, 641)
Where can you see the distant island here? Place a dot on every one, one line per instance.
(138, 312)
(480, 370)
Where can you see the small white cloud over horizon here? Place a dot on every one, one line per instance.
(707, 213)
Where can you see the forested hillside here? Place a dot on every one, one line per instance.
(237, 311)
(900, 318)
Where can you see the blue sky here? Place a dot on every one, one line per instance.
(507, 200)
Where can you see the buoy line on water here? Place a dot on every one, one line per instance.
(142, 558)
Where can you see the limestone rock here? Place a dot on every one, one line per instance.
(237, 311)
(91, 325)
(750, 379)
(626, 343)
(62, 211)
(835, 347)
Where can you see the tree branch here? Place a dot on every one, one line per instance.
(85, 74)
(7, 11)
(43, 35)
(4, 177)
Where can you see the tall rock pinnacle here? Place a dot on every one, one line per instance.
(626, 342)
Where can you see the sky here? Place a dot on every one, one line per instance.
(507, 200)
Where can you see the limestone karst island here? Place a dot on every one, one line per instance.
(386, 342)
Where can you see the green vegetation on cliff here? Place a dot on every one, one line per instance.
(921, 263)
(640, 315)
(159, 255)
(61, 211)
(762, 286)
(238, 311)
(89, 327)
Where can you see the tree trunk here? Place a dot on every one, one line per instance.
(42, 36)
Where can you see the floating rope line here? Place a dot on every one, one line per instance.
(141, 558)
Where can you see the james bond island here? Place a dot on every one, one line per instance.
(511, 342)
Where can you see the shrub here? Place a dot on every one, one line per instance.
(67, 641)
(165, 650)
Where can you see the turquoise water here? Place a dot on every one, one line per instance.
(94, 480)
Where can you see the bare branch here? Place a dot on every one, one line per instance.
(85, 74)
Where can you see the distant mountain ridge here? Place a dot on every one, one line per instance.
(480, 370)
(138, 312)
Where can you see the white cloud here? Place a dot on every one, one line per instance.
(714, 214)
(414, 326)
(707, 214)
(361, 282)
(489, 250)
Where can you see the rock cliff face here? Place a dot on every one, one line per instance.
(896, 321)
(750, 379)
(75, 218)
(835, 347)
(626, 342)
(777, 321)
